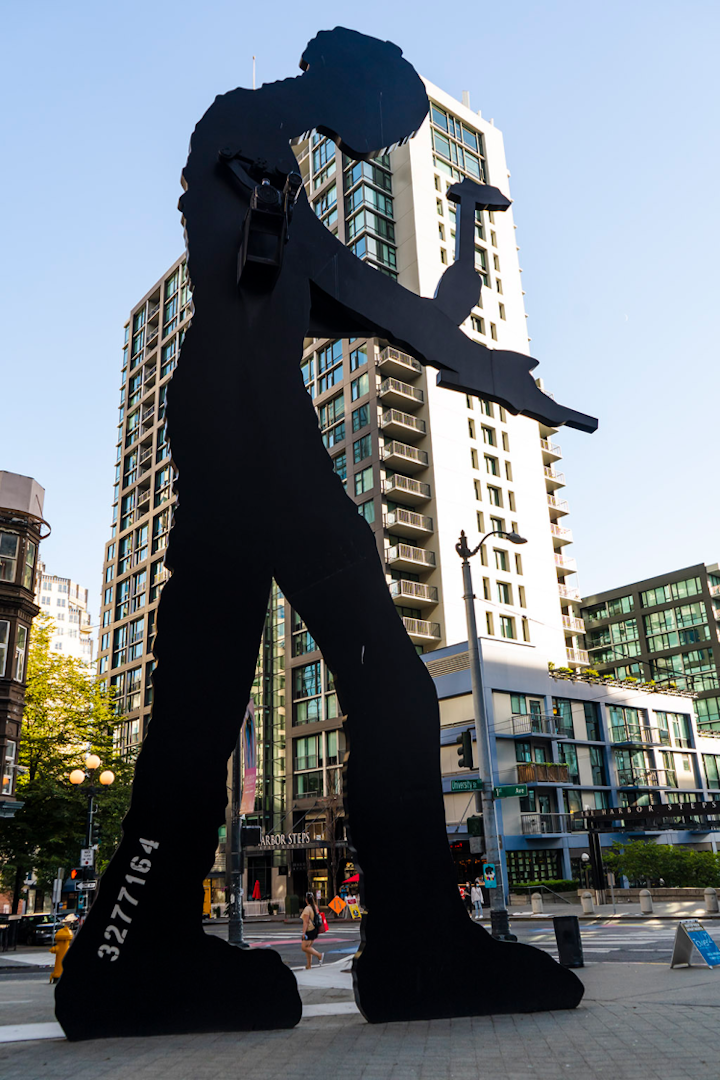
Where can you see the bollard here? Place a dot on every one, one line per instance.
(537, 903)
(711, 902)
(587, 903)
(646, 904)
(569, 943)
(63, 937)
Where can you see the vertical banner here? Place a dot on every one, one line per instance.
(249, 753)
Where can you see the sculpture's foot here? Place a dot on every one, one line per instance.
(191, 983)
(461, 971)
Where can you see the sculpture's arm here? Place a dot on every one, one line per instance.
(351, 297)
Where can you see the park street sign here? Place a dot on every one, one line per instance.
(471, 784)
(509, 791)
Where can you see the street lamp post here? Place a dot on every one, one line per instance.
(79, 776)
(237, 857)
(500, 926)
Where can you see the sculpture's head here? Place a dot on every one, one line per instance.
(365, 96)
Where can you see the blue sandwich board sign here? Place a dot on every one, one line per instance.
(691, 933)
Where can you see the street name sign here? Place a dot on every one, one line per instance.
(691, 933)
(83, 886)
(471, 784)
(509, 791)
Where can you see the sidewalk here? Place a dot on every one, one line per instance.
(670, 909)
(636, 1022)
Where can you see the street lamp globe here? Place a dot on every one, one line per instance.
(107, 777)
(92, 761)
(77, 776)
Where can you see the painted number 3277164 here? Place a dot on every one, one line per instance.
(115, 931)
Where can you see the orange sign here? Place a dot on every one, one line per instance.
(337, 904)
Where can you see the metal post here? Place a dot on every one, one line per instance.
(235, 907)
(500, 926)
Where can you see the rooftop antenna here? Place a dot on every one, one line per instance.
(253, 72)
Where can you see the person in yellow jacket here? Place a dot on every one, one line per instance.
(63, 937)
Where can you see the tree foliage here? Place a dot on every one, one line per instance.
(67, 715)
(646, 863)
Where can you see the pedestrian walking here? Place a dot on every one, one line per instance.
(311, 923)
(476, 898)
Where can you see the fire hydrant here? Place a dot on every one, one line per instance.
(62, 943)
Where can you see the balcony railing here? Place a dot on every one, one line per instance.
(394, 388)
(409, 488)
(714, 590)
(565, 563)
(393, 359)
(645, 778)
(396, 419)
(533, 724)
(536, 772)
(551, 448)
(411, 457)
(405, 553)
(561, 534)
(571, 623)
(560, 505)
(568, 593)
(554, 477)
(418, 628)
(634, 733)
(541, 824)
(410, 519)
(143, 497)
(413, 591)
(577, 656)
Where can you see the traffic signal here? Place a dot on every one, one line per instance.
(77, 874)
(95, 834)
(465, 754)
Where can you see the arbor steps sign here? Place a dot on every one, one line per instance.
(691, 933)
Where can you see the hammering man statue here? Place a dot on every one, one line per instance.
(256, 488)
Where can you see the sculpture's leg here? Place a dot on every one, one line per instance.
(142, 964)
(433, 961)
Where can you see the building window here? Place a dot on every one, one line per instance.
(29, 570)
(471, 428)
(497, 524)
(359, 387)
(493, 331)
(501, 559)
(489, 623)
(8, 556)
(525, 628)
(367, 510)
(480, 521)
(340, 466)
(504, 592)
(491, 466)
(521, 596)
(21, 636)
(362, 448)
(487, 407)
(360, 417)
(358, 357)
(478, 490)
(474, 458)
(489, 438)
(364, 481)
(495, 495)
(511, 501)
(478, 324)
(501, 307)
(4, 640)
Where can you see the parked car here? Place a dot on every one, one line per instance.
(37, 930)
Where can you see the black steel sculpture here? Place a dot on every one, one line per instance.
(257, 491)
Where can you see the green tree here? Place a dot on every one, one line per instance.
(679, 867)
(67, 715)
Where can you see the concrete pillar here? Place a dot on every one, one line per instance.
(646, 904)
(537, 902)
(587, 903)
(711, 902)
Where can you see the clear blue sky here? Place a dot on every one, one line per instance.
(609, 113)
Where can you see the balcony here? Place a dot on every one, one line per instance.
(565, 563)
(412, 491)
(561, 535)
(395, 392)
(557, 507)
(646, 778)
(634, 734)
(143, 497)
(406, 521)
(575, 625)
(419, 630)
(395, 422)
(553, 479)
(401, 456)
(544, 824)
(406, 557)
(714, 590)
(534, 724)
(394, 362)
(577, 656)
(569, 594)
(550, 451)
(537, 772)
(413, 594)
